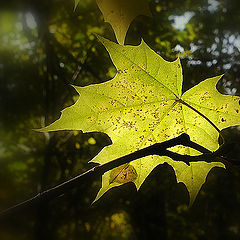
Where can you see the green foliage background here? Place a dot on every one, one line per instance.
(45, 47)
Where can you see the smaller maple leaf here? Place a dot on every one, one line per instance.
(120, 13)
(144, 104)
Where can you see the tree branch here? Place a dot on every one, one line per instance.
(159, 149)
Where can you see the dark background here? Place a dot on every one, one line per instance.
(44, 48)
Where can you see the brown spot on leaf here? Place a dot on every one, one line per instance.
(123, 174)
(223, 120)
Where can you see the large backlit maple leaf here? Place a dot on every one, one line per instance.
(143, 104)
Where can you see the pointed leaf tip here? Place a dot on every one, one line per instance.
(76, 2)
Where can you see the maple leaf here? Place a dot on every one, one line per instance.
(120, 14)
(142, 105)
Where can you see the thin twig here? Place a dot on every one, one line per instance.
(159, 149)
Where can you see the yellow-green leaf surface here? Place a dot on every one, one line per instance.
(76, 2)
(120, 14)
(143, 104)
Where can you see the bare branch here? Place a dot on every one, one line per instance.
(159, 149)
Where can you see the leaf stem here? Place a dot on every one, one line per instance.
(202, 115)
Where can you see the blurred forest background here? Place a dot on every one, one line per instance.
(44, 48)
